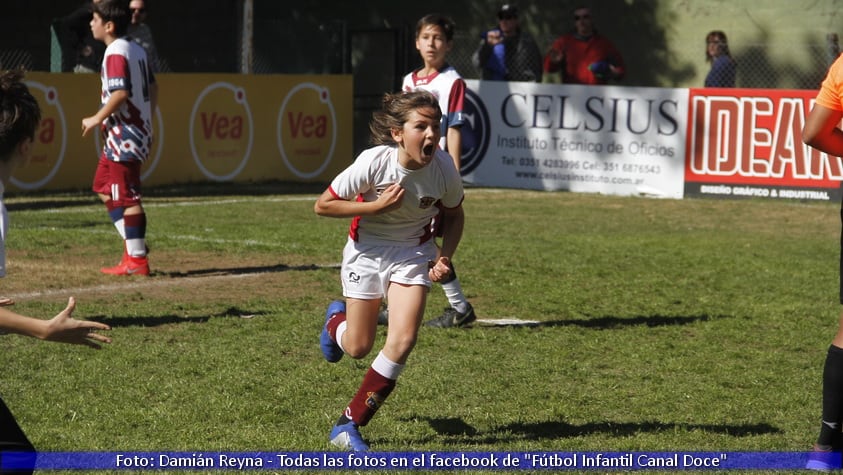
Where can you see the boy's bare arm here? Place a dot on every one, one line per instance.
(116, 99)
(61, 328)
(455, 145)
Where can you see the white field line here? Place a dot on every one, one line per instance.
(182, 237)
(135, 283)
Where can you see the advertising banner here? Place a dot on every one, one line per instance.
(207, 127)
(603, 139)
(748, 143)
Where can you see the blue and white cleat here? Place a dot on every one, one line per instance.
(348, 437)
(824, 460)
(330, 349)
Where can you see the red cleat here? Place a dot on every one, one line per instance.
(129, 266)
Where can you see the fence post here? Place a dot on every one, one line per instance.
(246, 35)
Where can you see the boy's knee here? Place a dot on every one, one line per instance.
(358, 350)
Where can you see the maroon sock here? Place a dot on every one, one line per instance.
(373, 391)
(333, 323)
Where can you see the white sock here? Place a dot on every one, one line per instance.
(121, 228)
(136, 247)
(340, 332)
(453, 291)
(386, 367)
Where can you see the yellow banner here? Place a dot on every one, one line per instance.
(208, 127)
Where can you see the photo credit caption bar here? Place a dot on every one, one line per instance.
(439, 461)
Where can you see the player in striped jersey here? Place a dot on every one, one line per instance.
(129, 92)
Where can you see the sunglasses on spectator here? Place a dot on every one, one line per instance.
(138, 10)
(581, 17)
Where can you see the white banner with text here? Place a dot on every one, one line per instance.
(603, 139)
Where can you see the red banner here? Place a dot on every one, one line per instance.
(748, 143)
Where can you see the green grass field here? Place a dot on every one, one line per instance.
(696, 325)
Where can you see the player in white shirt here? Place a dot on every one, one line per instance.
(434, 39)
(391, 192)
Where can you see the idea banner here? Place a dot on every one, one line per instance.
(748, 143)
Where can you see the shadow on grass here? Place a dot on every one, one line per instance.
(243, 270)
(51, 204)
(604, 323)
(459, 430)
(115, 322)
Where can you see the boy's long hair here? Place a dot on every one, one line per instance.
(117, 12)
(443, 22)
(19, 113)
(395, 111)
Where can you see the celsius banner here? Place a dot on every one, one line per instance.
(207, 127)
(604, 139)
(748, 143)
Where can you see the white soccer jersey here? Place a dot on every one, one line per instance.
(129, 129)
(377, 168)
(448, 86)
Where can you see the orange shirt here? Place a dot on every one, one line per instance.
(831, 92)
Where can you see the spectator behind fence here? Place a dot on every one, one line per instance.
(584, 56)
(723, 67)
(80, 52)
(507, 53)
(140, 33)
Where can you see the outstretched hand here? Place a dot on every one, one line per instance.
(440, 269)
(64, 328)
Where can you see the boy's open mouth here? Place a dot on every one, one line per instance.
(428, 149)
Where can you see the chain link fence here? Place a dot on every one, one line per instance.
(14, 59)
(755, 67)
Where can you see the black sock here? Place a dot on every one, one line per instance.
(832, 397)
(343, 420)
(452, 275)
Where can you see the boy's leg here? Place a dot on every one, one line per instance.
(826, 455)
(377, 384)
(118, 184)
(407, 309)
(460, 312)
